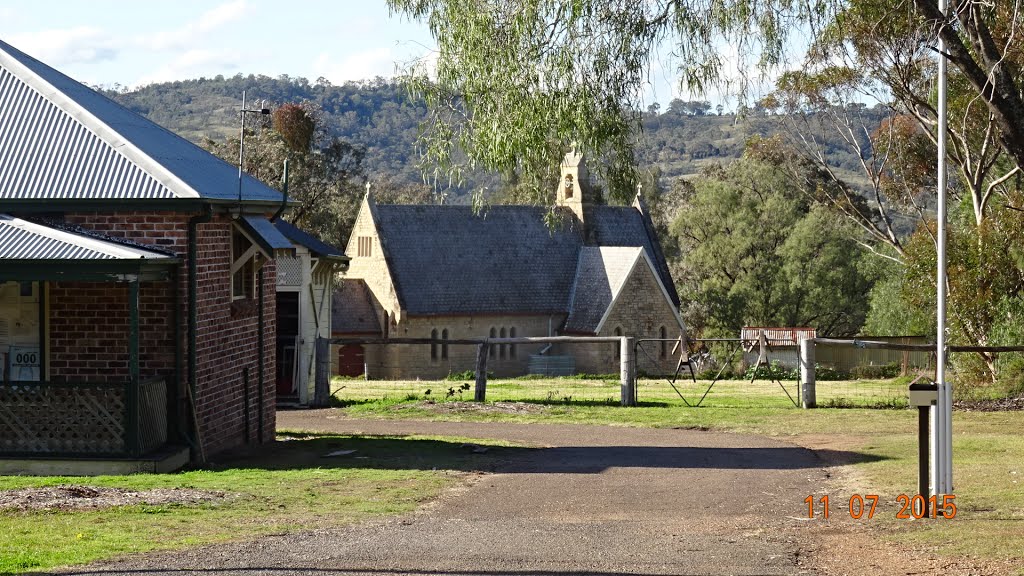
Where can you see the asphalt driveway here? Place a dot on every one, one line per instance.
(595, 500)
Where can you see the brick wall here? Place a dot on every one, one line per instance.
(227, 335)
(88, 327)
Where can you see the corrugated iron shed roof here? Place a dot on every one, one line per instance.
(776, 336)
(59, 139)
(24, 240)
(265, 234)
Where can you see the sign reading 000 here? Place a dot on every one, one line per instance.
(23, 363)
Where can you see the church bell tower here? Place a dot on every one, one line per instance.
(574, 191)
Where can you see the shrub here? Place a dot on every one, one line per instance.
(876, 372)
(772, 372)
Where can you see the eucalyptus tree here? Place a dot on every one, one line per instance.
(757, 251)
(515, 82)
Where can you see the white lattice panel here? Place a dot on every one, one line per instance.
(289, 271)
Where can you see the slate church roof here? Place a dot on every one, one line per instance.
(61, 140)
(446, 260)
(352, 310)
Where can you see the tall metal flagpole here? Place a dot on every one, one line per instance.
(942, 412)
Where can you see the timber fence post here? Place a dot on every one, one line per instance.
(480, 393)
(322, 383)
(627, 371)
(807, 373)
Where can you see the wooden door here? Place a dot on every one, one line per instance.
(351, 360)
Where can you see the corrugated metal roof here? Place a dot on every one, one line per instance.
(24, 240)
(59, 139)
(776, 336)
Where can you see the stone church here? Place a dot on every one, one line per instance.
(444, 272)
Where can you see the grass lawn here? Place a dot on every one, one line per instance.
(288, 486)
(988, 446)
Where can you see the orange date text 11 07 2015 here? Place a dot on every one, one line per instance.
(864, 507)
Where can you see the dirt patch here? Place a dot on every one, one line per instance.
(67, 497)
(482, 407)
(844, 548)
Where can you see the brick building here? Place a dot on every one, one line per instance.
(137, 282)
(447, 273)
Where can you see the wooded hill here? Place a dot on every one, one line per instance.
(381, 116)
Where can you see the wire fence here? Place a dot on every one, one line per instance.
(711, 372)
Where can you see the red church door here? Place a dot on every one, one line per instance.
(351, 360)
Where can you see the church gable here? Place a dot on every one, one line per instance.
(600, 276)
(642, 306)
(368, 260)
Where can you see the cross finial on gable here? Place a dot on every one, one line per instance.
(367, 186)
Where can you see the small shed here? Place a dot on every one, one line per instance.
(783, 344)
(305, 283)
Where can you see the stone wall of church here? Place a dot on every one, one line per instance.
(368, 263)
(404, 361)
(641, 311)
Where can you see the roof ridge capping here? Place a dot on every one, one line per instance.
(9, 58)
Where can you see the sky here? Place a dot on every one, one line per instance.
(132, 43)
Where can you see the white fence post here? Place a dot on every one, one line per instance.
(807, 373)
(627, 371)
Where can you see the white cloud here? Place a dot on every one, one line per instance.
(362, 65)
(193, 64)
(194, 31)
(82, 44)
